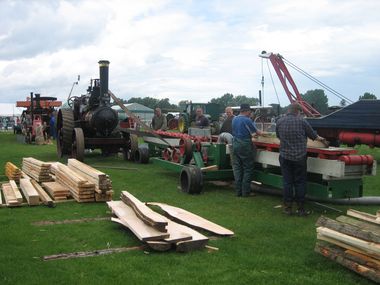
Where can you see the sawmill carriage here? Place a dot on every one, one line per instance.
(89, 122)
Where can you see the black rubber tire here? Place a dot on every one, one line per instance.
(141, 155)
(65, 126)
(191, 179)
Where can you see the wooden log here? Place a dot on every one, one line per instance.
(192, 220)
(348, 229)
(159, 245)
(363, 216)
(144, 212)
(45, 198)
(335, 255)
(349, 242)
(127, 217)
(16, 191)
(363, 259)
(30, 192)
(370, 227)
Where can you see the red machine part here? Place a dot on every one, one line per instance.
(285, 77)
(357, 159)
(353, 138)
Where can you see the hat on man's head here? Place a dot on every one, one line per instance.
(245, 107)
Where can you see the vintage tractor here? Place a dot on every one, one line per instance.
(89, 122)
(38, 112)
(211, 110)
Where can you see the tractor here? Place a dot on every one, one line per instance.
(211, 110)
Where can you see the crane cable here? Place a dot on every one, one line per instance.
(274, 86)
(334, 92)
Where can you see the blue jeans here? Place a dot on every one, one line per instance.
(243, 160)
(294, 178)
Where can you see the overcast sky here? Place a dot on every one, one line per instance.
(187, 50)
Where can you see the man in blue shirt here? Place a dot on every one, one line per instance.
(293, 131)
(244, 150)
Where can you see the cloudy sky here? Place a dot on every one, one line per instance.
(187, 50)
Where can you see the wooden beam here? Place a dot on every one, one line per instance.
(348, 229)
(192, 220)
(30, 192)
(16, 191)
(364, 216)
(45, 198)
(353, 243)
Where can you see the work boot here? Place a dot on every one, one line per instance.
(288, 209)
(301, 212)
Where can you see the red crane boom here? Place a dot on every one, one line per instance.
(285, 78)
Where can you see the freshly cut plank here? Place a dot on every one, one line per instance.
(364, 216)
(29, 191)
(56, 190)
(192, 220)
(371, 248)
(36, 169)
(337, 255)
(45, 198)
(348, 229)
(16, 190)
(198, 241)
(9, 196)
(12, 171)
(127, 217)
(144, 212)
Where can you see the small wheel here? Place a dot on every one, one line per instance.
(183, 123)
(191, 179)
(142, 155)
(186, 150)
(77, 150)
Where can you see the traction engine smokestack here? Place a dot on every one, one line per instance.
(103, 76)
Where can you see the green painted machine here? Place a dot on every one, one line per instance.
(333, 173)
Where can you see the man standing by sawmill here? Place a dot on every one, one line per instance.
(200, 120)
(159, 120)
(244, 150)
(293, 131)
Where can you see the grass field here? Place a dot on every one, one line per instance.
(268, 247)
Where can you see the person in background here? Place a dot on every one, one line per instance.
(293, 131)
(200, 120)
(52, 125)
(244, 150)
(159, 120)
(227, 124)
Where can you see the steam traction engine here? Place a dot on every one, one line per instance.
(89, 122)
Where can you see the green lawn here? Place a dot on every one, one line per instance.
(268, 248)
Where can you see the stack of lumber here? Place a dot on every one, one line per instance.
(352, 242)
(157, 231)
(29, 191)
(12, 195)
(80, 189)
(45, 198)
(37, 169)
(56, 190)
(103, 185)
(12, 171)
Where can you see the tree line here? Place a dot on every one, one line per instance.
(316, 98)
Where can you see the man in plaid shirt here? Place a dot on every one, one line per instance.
(293, 131)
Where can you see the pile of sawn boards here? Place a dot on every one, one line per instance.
(162, 233)
(352, 241)
(54, 181)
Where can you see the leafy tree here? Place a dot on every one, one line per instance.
(343, 103)
(317, 99)
(228, 99)
(182, 104)
(368, 95)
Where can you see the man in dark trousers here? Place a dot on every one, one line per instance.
(293, 131)
(244, 150)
